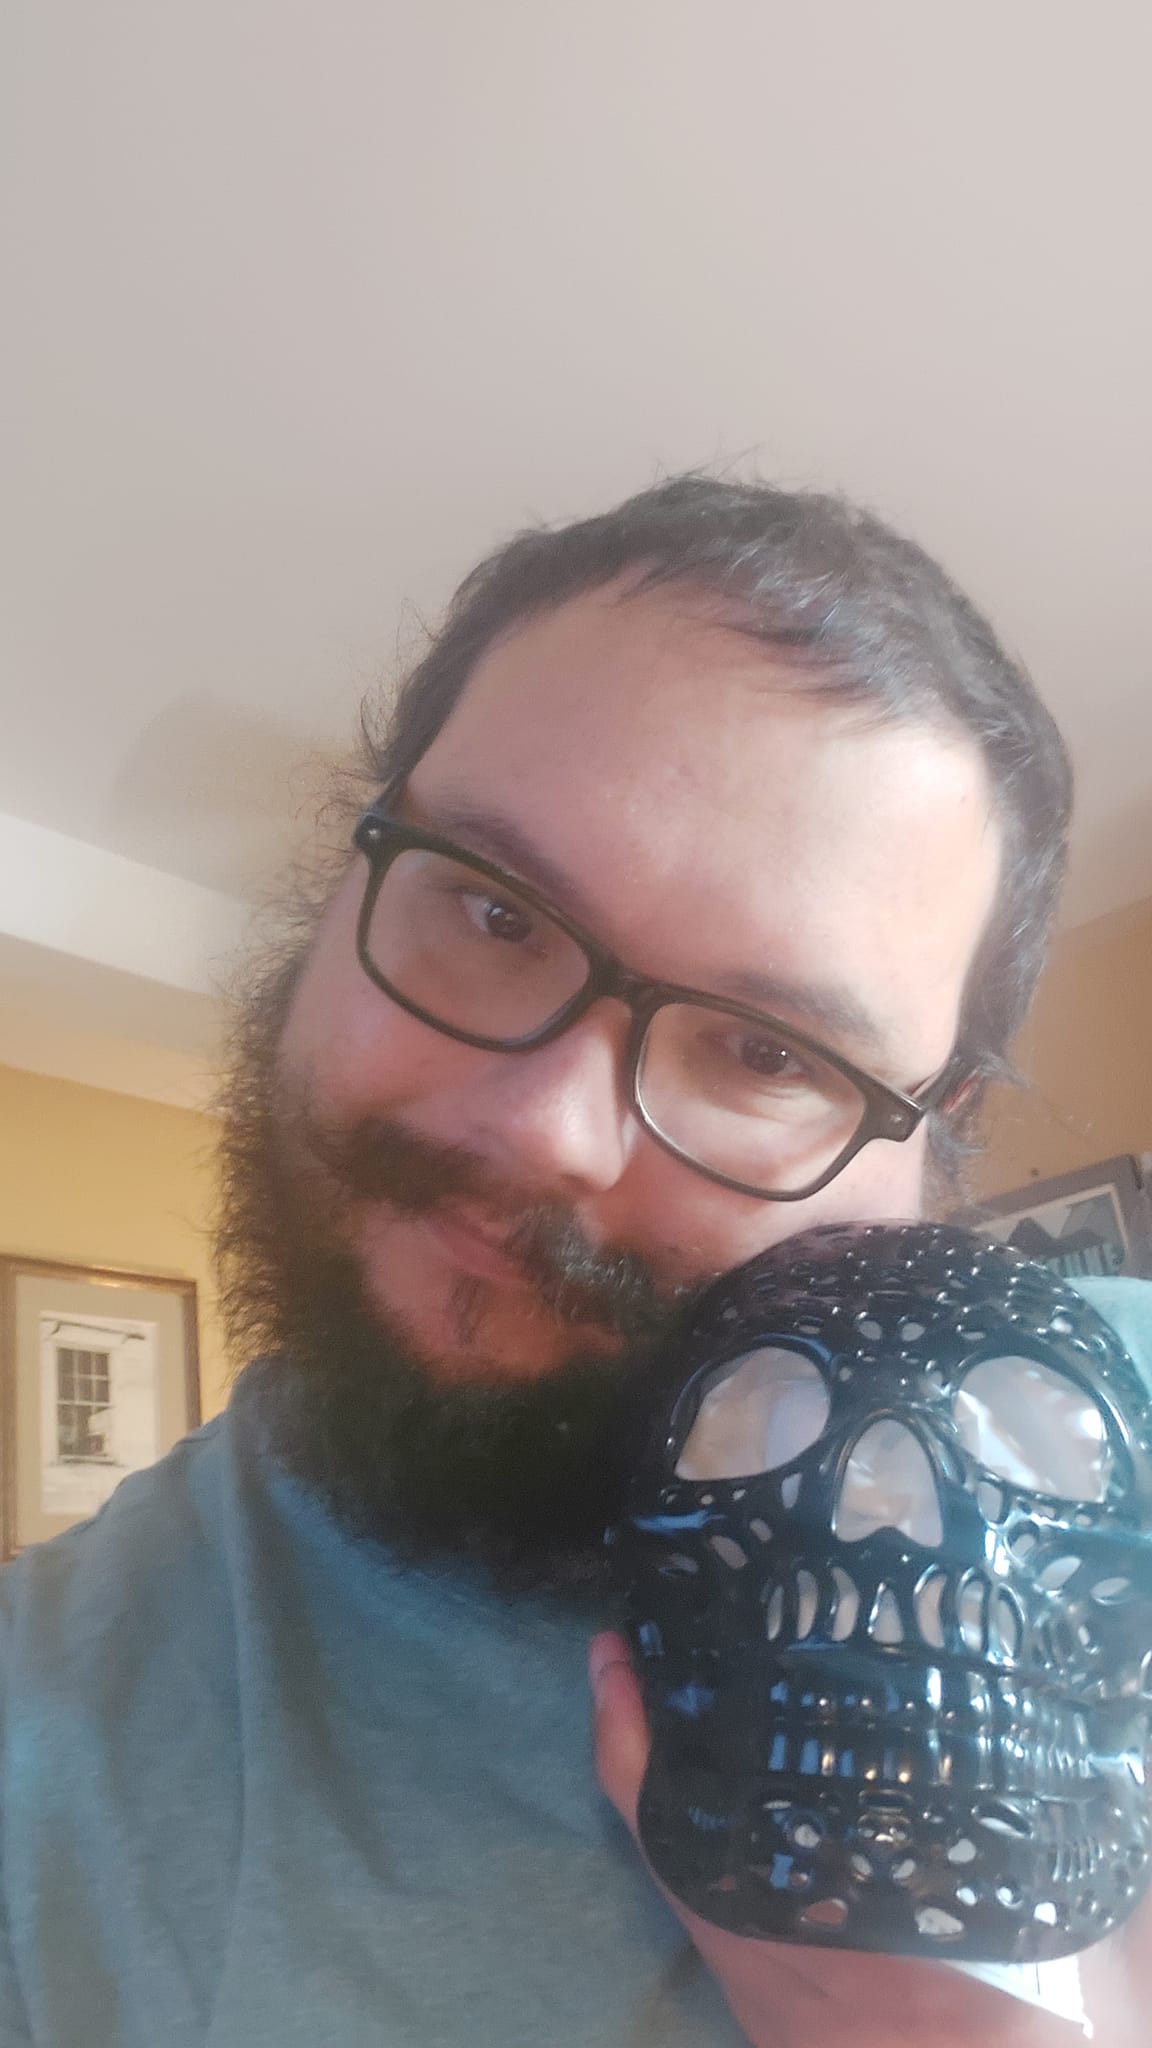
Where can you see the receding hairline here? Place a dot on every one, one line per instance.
(792, 666)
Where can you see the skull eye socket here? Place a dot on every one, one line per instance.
(1034, 1427)
(756, 1414)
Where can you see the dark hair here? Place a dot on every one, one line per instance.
(863, 615)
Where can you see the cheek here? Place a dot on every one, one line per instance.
(705, 1230)
(354, 1051)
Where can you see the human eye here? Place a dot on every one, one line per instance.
(767, 1058)
(752, 1068)
(763, 1060)
(493, 916)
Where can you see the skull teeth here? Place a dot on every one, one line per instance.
(969, 1616)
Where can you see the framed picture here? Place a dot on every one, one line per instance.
(99, 1376)
(1095, 1222)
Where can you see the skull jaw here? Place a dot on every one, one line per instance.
(856, 1863)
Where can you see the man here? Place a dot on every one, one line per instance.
(701, 827)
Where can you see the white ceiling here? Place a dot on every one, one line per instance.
(306, 304)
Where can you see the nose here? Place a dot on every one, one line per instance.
(558, 1118)
(888, 1484)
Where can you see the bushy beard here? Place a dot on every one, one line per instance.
(519, 1477)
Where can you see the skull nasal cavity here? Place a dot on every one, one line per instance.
(888, 1484)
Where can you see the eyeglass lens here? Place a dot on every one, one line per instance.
(743, 1099)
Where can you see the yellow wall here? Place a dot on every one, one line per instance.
(108, 1180)
(1088, 1054)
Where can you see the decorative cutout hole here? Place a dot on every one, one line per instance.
(962, 1851)
(965, 1896)
(1005, 1628)
(679, 1565)
(806, 1832)
(847, 1607)
(942, 1926)
(790, 1490)
(824, 1913)
(774, 1619)
(807, 1603)
(1057, 1573)
(869, 1328)
(929, 1594)
(970, 1614)
(1046, 1913)
(1001, 1818)
(905, 1870)
(1009, 1895)
(885, 1625)
(910, 1331)
(1109, 1592)
(760, 1530)
(729, 1552)
(860, 1865)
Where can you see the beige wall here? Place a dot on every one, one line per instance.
(1088, 1054)
(101, 1179)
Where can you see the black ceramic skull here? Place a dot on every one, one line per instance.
(888, 1573)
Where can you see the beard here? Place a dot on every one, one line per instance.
(517, 1477)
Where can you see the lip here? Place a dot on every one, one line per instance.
(478, 1247)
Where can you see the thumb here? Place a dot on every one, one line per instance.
(619, 1725)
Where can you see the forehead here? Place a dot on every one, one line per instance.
(695, 801)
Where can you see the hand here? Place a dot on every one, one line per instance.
(786, 1995)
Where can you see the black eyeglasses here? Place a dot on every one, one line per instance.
(739, 1096)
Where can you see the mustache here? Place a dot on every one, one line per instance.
(378, 1159)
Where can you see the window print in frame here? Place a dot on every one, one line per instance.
(98, 1378)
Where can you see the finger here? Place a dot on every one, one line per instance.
(620, 1728)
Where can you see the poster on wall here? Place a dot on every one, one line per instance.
(98, 1378)
(99, 1405)
(1092, 1224)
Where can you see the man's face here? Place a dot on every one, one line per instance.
(665, 784)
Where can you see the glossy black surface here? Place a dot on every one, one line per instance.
(926, 1748)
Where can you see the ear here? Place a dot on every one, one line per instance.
(962, 1096)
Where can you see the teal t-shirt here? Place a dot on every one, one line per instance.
(261, 1787)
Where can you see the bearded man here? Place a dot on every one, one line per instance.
(710, 858)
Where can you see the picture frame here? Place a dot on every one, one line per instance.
(1094, 1223)
(99, 1377)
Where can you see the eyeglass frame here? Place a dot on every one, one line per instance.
(888, 1112)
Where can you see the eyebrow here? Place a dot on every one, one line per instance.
(827, 1007)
